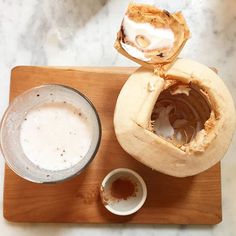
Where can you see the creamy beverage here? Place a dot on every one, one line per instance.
(56, 136)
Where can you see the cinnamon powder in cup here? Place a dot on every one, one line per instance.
(122, 189)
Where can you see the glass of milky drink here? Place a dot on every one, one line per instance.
(50, 133)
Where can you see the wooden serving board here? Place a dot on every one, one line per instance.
(192, 200)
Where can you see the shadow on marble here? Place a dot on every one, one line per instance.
(221, 31)
(73, 13)
(55, 24)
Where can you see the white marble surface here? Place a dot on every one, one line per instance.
(82, 32)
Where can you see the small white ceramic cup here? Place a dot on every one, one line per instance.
(127, 206)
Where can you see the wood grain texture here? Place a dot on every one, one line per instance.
(191, 200)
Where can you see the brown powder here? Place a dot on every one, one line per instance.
(122, 188)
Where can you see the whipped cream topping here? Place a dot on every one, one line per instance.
(144, 37)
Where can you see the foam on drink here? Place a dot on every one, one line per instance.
(56, 136)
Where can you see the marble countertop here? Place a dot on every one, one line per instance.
(81, 33)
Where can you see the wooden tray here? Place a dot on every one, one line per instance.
(192, 200)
